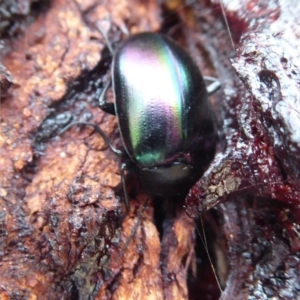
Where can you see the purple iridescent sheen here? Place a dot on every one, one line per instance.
(161, 100)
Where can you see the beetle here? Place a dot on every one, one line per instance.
(164, 115)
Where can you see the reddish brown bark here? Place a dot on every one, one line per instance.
(63, 226)
(61, 233)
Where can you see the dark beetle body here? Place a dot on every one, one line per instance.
(164, 115)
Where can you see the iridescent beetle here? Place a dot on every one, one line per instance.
(164, 115)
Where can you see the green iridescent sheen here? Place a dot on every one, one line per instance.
(152, 75)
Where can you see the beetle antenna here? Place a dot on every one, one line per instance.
(226, 22)
(204, 242)
(135, 228)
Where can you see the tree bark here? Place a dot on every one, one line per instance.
(64, 231)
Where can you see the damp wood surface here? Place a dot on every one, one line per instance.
(63, 224)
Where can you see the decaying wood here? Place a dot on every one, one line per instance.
(61, 221)
(63, 228)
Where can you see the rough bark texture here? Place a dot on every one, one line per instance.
(61, 210)
(257, 171)
(64, 233)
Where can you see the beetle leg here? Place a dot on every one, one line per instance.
(134, 230)
(124, 167)
(214, 86)
(118, 152)
(108, 107)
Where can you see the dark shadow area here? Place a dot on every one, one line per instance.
(203, 285)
